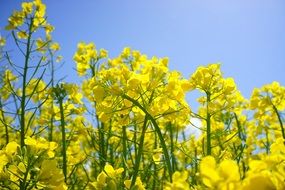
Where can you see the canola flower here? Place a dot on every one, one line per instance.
(124, 125)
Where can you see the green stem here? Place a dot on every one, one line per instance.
(154, 166)
(124, 150)
(196, 165)
(140, 151)
(158, 131)
(280, 121)
(102, 145)
(172, 146)
(3, 120)
(135, 141)
(240, 130)
(23, 98)
(51, 128)
(208, 120)
(63, 140)
(267, 146)
(52, 103)
(242, 137)
(23, 185)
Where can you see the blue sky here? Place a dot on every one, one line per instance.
(246, 36)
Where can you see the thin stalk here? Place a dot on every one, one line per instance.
(24, 184)
(172, 146)
(140, 151)
(242, 137)
(280, 121)
(63, 135)
(23, 98)
(208, 120)
(52, 103)
(3, 120)
(51, 126)
(240, 130)
(102, 145)
(154, 166)
(196, 165)
(267, 146)
(124, 150)
(135, 140)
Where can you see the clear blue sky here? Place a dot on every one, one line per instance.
(246, 36)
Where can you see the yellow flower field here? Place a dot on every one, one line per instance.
(125, 124)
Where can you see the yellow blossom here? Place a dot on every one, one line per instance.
(179, 181)
(11, 148)
(22, 35)
(55, 46)
(2, 41)
(27, 7)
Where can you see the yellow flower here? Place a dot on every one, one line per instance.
(55, 46)
(2, 41)
(41, 45)
(126, 52)
(219, 176)
(103, 53)
(85, 55)
(27, 7)
(138, 184)
(157, 153)
(208, 171)
(41, 145)
(179, 181)
(22, 35)
(22, 167)
(108, 178)
(206, 78)
(101, 180)
(50, 176)
(15, 173)
(278, 146)
(11, 148)
(30, 141)
(74, 93)
(229, 171)
(17, 19)
(58, 59)
(99, 93)
(258, 181)
(111, 172)
(134, 82)
(3, 160)
(40, 9)
(52, 147)
(48, 29)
